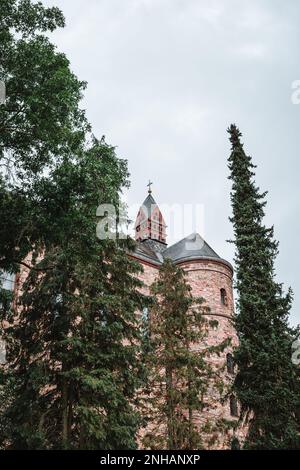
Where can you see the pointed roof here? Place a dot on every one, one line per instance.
(193, 246)
(149, 203)
(149, 252)
(147, 208)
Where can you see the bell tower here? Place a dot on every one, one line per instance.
(150, 224)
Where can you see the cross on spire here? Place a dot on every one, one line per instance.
(149, 186)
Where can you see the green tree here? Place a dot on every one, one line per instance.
(266, 384)
(74, 351)
(72, 337)
(177, 361)
(41, 123)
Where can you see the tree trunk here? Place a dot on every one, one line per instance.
(170, 412)
(65, 415)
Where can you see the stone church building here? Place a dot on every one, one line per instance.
(210, 277)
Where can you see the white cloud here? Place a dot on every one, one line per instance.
(252, 51)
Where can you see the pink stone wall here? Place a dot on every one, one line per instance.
(152, 226)
(207, 278)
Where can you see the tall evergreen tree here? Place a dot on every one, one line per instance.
(177, 360)
(266, 383)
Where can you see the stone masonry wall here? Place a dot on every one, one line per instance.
(207, 278)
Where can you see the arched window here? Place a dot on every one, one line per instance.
(230, 363)
(224, 300)
(233, 406)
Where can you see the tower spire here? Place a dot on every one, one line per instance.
(150, 224)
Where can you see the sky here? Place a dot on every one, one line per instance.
(165, 80)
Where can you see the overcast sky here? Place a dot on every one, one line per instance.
(167, 77)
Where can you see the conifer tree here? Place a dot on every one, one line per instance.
(177, 361)
(266, 384)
